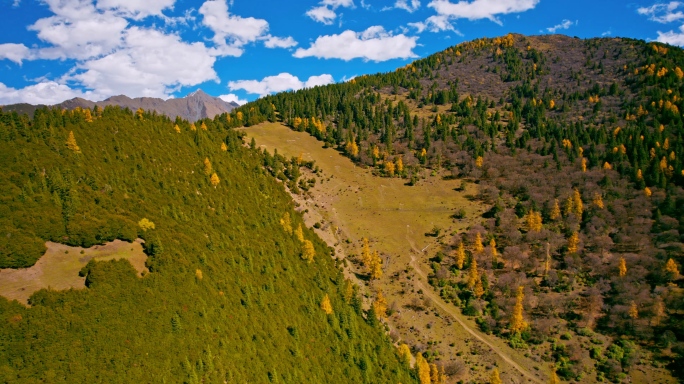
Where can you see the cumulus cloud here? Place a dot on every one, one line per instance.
(47, 92)
(435, 23)
(373, 44)
(152, 64)
(565, 24)
(14, 52)
(279, 83)
(279, 42)
(663, 12)
(136, 9)
(471, 10)
(407, 5)
(231, 31)
(232, 98)
(672, 37)
(325, 12)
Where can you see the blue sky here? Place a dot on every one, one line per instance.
(53, 50)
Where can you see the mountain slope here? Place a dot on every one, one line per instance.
(229, 297)
(576, 144)
(195, 106)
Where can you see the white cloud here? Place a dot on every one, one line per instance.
(374, 44)
(407, 5)
(663, 12)
(16, 3)
(565, 24)
(14, 52)
(606, 33)
(279, 42)
(279, 83)
(481, 9)
(671, 37)
(325, 12)
(135, 8)
(231, 31)
(48, 93)
(152, 64)
(232, 98)
(435, 23)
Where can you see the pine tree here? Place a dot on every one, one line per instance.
(518, 323)
(423, 369)
(473, 274)
(326, 306)
(299, 233)
(623, 267)
(308, 251)
(214, 179)
(495, 378)
(71, 143)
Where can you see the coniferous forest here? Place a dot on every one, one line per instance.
(232, 295)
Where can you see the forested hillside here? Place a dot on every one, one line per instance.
(238, 289)
(576, 144)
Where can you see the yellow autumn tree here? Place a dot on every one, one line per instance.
(477, 246)
(193, 127)
(584, 164)
(389, 168)
(495, 378)
(633, 311)
(207, 166)
(198, 274)
(326, 306)
(286, 223)
(671, 267)
(622, 267)
(518, 323)
(423, 369)
(479, 162)
(352, 148)
(460, 255)
(404, 353)
(375, 269)
(399, 165)
(478, 291)
(224, 147)
(553, 379)
(177, 128)
(555, 210)
(380, 306)
(214, 179)
(647, 192)
(577, 205)
(203, 126)
(308, 251)
(492, 249)
(473, 274)
(366, 255)
(534, 221)
(145, 224)
(573, 242)
(71, 143)
(140, 112)
(598, 201)
(299, 233)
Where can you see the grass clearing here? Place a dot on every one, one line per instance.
(350, 203)
(58, 268)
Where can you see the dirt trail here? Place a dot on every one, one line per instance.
(455, 313)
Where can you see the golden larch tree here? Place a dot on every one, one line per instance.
(389, 168)
(71, 143)
(145, 224)
(473, 274)
(518, 323)
(203, 126)
(573, 242)
(495, 378)
(224, 147)
(584, 164)
(492, 249)
(399, 165)
(555, 210)
(633, 311)
(578, 207)
(404, 354)
(299, 233)
(193, 127)
(326, 306)
(598, 201)
(647, 192)
(214, 179)
(308, 251)
(671, 267)
(460, 255)
(423, 369)
(286, 223)
(479, 162)
(366, 255)
(478, 291)
(140, 112)
(622, 267)
(198, 274)
(533, 220)
(375, 269)
(177, 128)
(207, 166)
(380, 306)
(477, 246)
(553, 379)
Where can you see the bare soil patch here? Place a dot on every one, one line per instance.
(58, 268)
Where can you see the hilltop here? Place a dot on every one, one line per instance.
(195, 106)
(576, 145)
